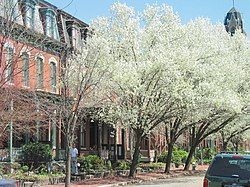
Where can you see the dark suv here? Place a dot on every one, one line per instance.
(228, 170)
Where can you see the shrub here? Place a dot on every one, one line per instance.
(152, 166)
(207, 161)
(207, 155)
(15, 166)
(163, 157)
(36, 153)
(1, 169)
(179, 156)
(5, 168)
(109, 165)
(91, 162)
(25, 168)
(123, 165)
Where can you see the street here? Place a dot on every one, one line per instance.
(177, 182)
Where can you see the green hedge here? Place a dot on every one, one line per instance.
(36, 153)
(91, 162)
(123, 165)
(179, 156)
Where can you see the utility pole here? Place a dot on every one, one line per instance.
(37, 121)
(11, 133)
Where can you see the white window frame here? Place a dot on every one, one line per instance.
(40, 73)
(25, 69)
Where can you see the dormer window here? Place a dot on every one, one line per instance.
(50, 23)
(9, 9)
(74, 33)
(30, 14)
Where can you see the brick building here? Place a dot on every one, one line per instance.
(35, 38)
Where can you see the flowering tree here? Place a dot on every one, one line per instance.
(225, 91)
(162, 69)
(218, 72)
(240, 126)
(146, 82)
(82, 75)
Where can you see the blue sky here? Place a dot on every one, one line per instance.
(87, 10)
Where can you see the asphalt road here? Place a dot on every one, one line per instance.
(177, 182)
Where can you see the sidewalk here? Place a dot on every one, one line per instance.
(142, 177)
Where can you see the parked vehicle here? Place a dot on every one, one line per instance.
(228, 169)
(7, 183)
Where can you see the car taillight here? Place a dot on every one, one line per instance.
(237, 157)
(205, 182)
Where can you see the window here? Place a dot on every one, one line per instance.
(51, 27)
(53, 76)
(39, 70)
(9, 7)
(75, 33)
(229, 166)
(25, 68)
(82, 136)
(9, 64)
(30, 14)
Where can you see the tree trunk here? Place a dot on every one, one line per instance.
(189, 158)
(136, 155)
(68, 167)
(169, 158)
(236, 146)
(156, 156)
(115, 147)
(224, 146)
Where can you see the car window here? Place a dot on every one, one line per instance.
(227, 167)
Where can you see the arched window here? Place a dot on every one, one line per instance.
(25, 69)
(30, 13)
(82, 136)
(51, 28)
(39, 72)
(9, 64)
(9, 9)
(53, 76)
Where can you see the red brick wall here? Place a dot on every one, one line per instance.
(33, 54)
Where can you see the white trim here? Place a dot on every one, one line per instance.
(39, 55)
(9, 45)
(25, 49)
(24, 86)
(52, 59)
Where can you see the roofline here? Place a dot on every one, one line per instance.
(64, 12)
(49, 4)
(73, 17)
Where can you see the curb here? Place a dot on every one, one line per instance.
(185, 174)
(122, 183)
(117, 184)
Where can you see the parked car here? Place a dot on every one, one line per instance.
(7, 183)
(228, 169)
